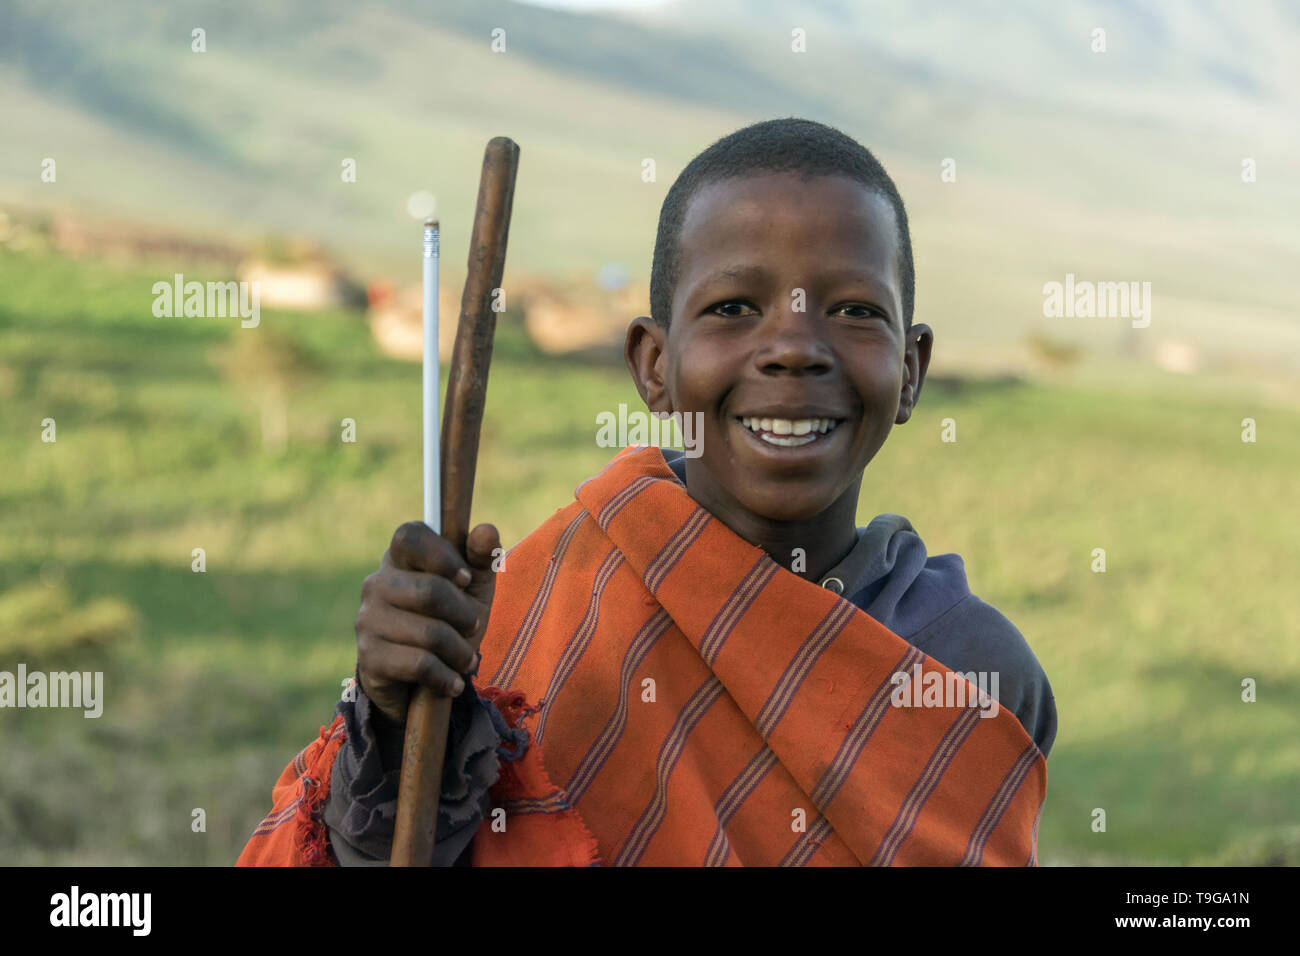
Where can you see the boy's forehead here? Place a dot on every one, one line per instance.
(782, 215)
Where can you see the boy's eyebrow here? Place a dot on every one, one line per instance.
(737, 272)
(883, 287)
(857, 275)
(758, 272)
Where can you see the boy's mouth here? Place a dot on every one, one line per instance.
(789, 432)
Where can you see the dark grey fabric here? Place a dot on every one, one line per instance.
(924, 599)
(362, 806)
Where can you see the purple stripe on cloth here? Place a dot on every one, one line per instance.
(514, 657)
(650, 633)
(998, 806)
(272, 821)
(856, 739)
(555, 803)
(822, 636)
(677, 546)
(725, 621)
(620, 500)
(831, 781)
(270, 825)
(808, 843)
(637, 841)
(940, 760)
(733, 798)
(580, 640)
(591, 764)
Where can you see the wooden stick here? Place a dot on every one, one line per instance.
(429, 716)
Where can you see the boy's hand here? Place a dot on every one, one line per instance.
(418, 613)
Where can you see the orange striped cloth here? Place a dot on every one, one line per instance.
(691, 702)
(293, 834)
(701, 705)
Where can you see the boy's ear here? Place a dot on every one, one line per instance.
(916, 361)
(645, 352)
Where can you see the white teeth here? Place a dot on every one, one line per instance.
(787, 442)
(801, 431)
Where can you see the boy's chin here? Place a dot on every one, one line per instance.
(782, 505)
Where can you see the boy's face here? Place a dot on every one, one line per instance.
(788, 309)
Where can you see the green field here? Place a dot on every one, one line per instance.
(214, 680)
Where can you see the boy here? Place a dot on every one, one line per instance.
(703, 661)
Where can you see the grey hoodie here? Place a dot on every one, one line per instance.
(922, 598)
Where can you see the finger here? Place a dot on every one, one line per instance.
(417, 547)
(482, 546)
(438, 637)
(430, 595)
(410, 665)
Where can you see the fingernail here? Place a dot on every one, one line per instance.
(457, 686)
(463, 577)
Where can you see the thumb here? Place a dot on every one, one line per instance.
(482, 547)
(482, 551)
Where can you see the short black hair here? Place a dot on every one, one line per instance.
(779, 145)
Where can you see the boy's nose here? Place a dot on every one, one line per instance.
(794, 343)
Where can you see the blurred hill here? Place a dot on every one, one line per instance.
(1122, 165)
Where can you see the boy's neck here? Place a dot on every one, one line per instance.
(823, 547)
(824, 539)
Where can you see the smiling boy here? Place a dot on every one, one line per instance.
(697, 662)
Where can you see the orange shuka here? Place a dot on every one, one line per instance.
(691, 702)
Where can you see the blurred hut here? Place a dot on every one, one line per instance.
(396, 319)
(297, 275)
(562, 317)
(304, 287)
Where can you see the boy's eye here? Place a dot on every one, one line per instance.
(733, 308)
(859, 311)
